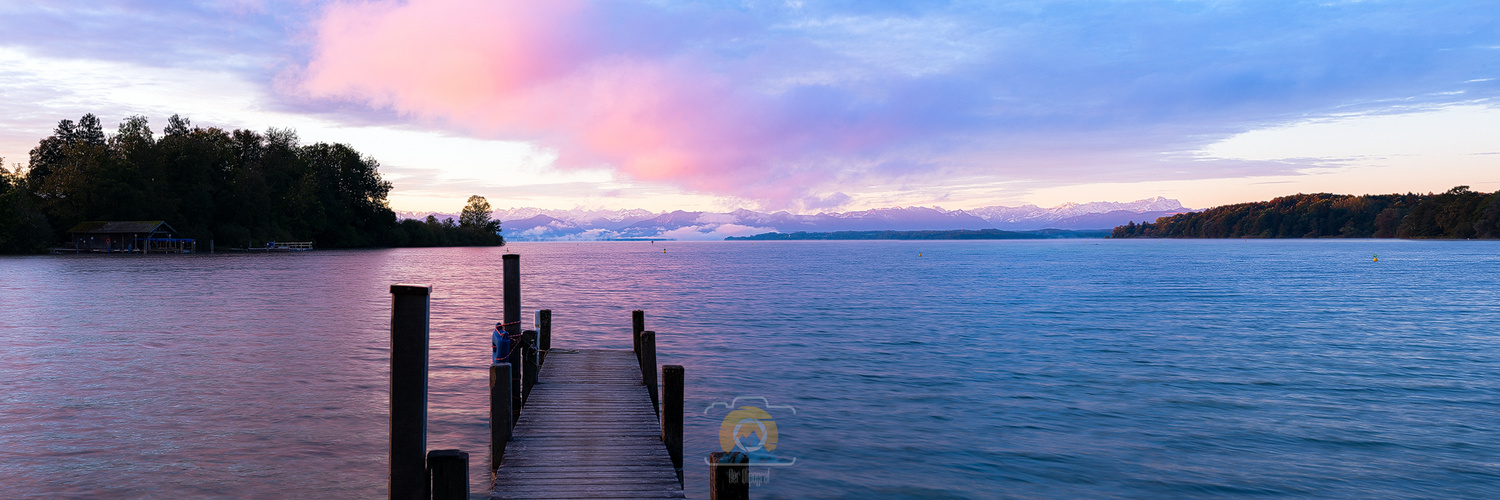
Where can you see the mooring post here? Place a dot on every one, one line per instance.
(512, 271)
(648, 368)
(500, 414)
(728, 476)
(449, 472)
(529, 356)
(544, 328)
(410, 305)
(637, 325)
(671, 416)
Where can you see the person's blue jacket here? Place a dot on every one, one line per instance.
(499, 346)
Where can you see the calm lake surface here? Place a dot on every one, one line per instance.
(1034, 369)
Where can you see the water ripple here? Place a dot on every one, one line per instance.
(1015, 369)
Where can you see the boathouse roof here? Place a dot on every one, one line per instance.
(117, 227)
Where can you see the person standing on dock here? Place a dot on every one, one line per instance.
(499, 344)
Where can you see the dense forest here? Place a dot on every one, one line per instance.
(953, 234)
(1456, 214)
(236, 187)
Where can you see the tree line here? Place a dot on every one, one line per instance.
(234, 187)
(1458, 213)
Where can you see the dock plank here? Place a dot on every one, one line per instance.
(589, 431)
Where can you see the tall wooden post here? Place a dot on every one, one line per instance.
(671, 414)
(500, 414)
(637, 325)
(410, 305)
(512, 271)
(449, 473)
(529, 357)
(728, 476)
(648, 368)
(544, 329)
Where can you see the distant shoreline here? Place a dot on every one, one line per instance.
(1458, 214)
(955, 234)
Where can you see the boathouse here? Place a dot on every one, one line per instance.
(146, 236)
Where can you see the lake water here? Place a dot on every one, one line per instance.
(934, 369)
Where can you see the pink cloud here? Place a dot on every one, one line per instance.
(534, 70)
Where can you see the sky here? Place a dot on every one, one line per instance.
(805, 106)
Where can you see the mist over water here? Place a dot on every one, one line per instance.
(981, 369)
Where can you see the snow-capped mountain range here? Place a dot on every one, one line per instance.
(535, 224)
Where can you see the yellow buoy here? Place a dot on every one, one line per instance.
(1377, 258)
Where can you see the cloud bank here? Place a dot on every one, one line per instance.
(542, 71)
(803, 105)
(792, 104)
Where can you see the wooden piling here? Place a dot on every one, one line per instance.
(512, 272)
(529, 357)
(501, 416)
(637, 325)
(728, 476)
(648, 369)
(449, 473)
(410, 307)
(671, 416)
(544, 329)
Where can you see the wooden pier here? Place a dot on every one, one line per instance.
(588, 430)
(586, 424)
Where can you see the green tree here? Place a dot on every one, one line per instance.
(177, 125)
(475, 224)
(1386, 223)
(1457, 213)
(22, 228)
(233, 186)
(476, 214)
(1488, 225)
(68, 173)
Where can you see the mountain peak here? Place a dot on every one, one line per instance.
(596, 224)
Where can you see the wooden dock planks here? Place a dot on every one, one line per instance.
(588, 431)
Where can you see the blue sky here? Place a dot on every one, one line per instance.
(799, 105)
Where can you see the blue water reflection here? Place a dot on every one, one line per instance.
(1053, 369)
